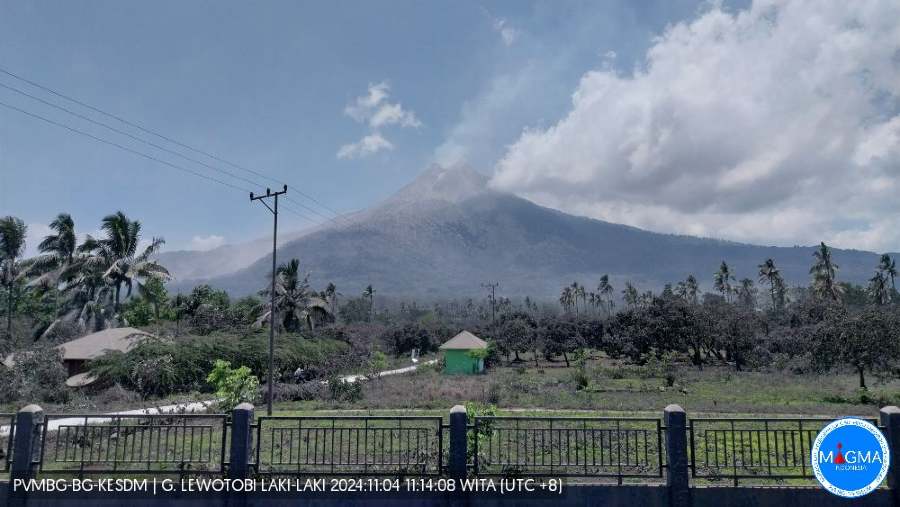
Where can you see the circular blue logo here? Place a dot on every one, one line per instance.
(850, 457)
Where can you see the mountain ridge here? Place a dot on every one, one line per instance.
(447, 232)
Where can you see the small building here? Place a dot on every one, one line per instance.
(77, 353)
(460, 356)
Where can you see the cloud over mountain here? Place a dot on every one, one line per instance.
(777, 123)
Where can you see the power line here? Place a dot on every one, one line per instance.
(171, 140)
(133, 151)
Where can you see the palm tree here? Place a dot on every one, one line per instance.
(578, 290)
(12, 246)
(58, 252)
(605, 289)
(689, 290)
(293, 300)
(889, 267)
(331, 295)
(823, 271)
(747, 293)
(118, 254)
(771, 275)
(370, 294)
(566, 297)
(878, 289)
(630, 295)
(722, 281)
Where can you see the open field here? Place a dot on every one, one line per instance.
(614, 387)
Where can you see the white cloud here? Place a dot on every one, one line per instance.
(778, 124)
(507, 33)
(368, 145)
(377, 112)
(206, 242)
(374, 109)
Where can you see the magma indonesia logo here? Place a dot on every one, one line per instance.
(850, 457)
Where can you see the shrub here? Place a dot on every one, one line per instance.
(155, 376)
(232, 385)
(342, 390)
(38, 375)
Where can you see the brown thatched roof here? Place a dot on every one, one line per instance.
(464, 341)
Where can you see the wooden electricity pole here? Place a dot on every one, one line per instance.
(274, 210)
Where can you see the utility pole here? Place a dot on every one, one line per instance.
(493, 297)
(274, 210)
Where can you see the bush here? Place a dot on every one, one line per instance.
(341, 390)
(233, 385)
(304, 391)
(37, 376)
(154, 376)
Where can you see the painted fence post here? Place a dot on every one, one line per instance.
(459, 421)
(677, 456)
(241, 426)
(26, 441)
(890, 421)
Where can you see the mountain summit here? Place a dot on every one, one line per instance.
(441, 185)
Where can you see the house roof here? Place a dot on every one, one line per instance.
(96, 344)
(464, 341)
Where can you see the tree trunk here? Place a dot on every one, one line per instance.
(118, 288)
(697, 360)
(862, 379)
(535, 358)
(9, 312)
(566, 357)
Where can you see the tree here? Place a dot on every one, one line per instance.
(154, 291)
(369, 294)
(117, 253)
(888, 267)
(869, 342)
(771, 275)
(722, 281)
(631, 296)
(878, 289)
(747, 293)
(515, 333)
(12, 246)
(331, 295)
(567, 298)
(293, 299)
(605, 290)
(824, 271)
(58, 252)
(689, 290)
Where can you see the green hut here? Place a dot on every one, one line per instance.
(464, 354)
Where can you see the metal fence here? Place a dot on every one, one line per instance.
(752, 448)
(183, 444)
(568, 447)
(349, 445)
(7, 435)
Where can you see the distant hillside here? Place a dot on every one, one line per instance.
(445, 234)
(190, 267)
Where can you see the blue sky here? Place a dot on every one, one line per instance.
(265, 84)
(273, 86)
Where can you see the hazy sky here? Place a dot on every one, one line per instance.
(776, 124)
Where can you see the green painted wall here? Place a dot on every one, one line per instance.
(458, 362)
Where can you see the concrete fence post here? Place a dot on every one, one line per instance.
(677, 456)
(890, 420)
(459, 421)
(26, 441)
(241, 426)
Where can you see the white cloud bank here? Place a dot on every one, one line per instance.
(374, 110)
(206, 242)
(774, 124)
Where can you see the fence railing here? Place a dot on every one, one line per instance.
(568, 447)
(675, 448)
(349, 445)
(133, 444)
(753, 448)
